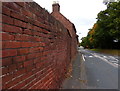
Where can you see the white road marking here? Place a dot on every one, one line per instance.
(83, 57)
(115, 63)
(104, 58)
(90, 56)
(113, 58)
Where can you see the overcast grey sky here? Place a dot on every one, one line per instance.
(82, 13)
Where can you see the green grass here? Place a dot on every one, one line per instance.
(108, 51)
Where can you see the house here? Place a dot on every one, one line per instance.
(68, 25)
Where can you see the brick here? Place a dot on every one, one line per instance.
(12, 6)
(19, 72)
(35, 70)
(35, 44)
(29, 20)
(29, 26)
(51, 83)
(5, 70)
(43, 58)
(20, 4)
(36, 49)
(27, 13)
(28, 63)
(33, 38)
(38, 39)
(30, 84)
(23, 51)
(6, 61)
(35, 85)
(47, 83)
(26, 44)
(6, 36)
(25, 38)
(36, 28)
(46, 26)
(11, 29)
(16, 15)
(39, 19)
(26, 75)
(24, 25)
(21, 37)
(12, 67)
(13, 82)
(17, 22)
(7, 19)
(8, 53)
(5, 10)
(42, 44)
(46, 52)
(20, 85)
(36, 33)
(20, 66)
(39, 34)
(29, 68)
(30, 79)
(46, 79)
(45, 31)
(37, 60)
(31, 56)
(38, 54)
(11, 44)
(37, 23)
(39, 64)
(18, 59)
(7, 78)
(26, 19)
(27, 31)
(39, 73)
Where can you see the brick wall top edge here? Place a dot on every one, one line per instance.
(47, 16)
(36, 9)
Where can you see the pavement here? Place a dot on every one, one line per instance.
(76, 79)
(93, 70)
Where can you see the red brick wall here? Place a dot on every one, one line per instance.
(35, 47)
(71, 30)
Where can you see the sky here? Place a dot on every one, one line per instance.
(82, 13)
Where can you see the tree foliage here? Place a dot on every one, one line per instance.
(106, 31)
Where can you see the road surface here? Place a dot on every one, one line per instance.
(101, 70)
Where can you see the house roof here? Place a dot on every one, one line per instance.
(67, 24)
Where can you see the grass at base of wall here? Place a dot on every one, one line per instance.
(108, 51)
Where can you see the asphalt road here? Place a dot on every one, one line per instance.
(101, 70)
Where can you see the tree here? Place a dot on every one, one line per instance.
(109, 25)
(104, 33)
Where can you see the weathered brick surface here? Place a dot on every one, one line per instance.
(68, 25)
(36, 48)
